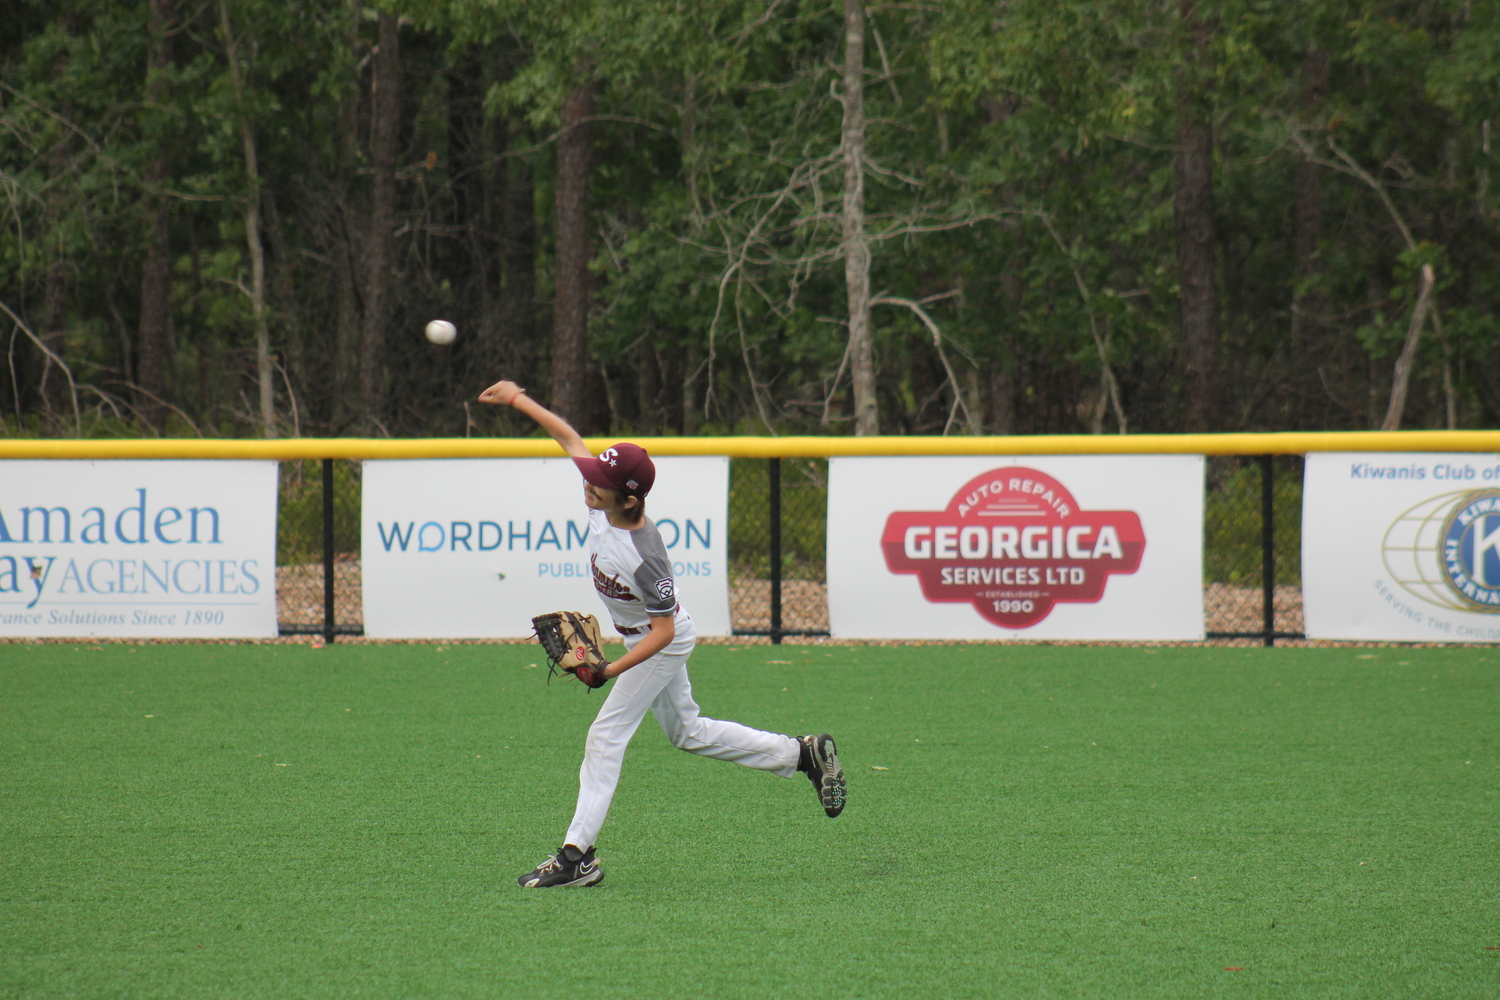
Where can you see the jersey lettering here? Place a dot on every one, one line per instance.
(609, 586)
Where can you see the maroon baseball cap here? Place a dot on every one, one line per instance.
(625, 467)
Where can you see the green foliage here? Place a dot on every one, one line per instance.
(1233, 545)
(804, 518)
(1020, 182)
(299, 518)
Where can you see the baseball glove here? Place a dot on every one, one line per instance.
(573, 643)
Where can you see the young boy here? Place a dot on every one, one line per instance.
(633, 576)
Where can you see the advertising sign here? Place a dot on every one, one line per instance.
(1069, 547)
(1401, 547)
(137, 549)
(474, 548)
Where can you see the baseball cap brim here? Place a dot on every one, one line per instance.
(597, 473)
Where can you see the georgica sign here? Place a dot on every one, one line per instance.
(1013, 543)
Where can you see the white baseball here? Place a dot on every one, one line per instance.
(440, 331)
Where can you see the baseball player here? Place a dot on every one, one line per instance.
(633, 576)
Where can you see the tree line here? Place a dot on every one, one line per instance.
(235, 217)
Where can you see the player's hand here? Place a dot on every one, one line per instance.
(502, 393)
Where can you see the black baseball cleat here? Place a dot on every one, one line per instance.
(569, 866)
(820, 762)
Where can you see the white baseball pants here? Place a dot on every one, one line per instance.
(661, 684)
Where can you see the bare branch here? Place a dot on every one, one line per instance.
(292, 398)
(731, 270)
(739, 316)
(942, 227)
(837, 375)
(160, 401)
(743, 35)
(1101, 343)
(1401, 377)
(99, 151)
(52, 358)
(1379, 188)
(875, 168)
(937, 342)
(885, 63)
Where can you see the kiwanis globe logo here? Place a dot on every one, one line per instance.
(1446, 551)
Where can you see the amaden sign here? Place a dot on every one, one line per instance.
(474, 548)
(136, 549)
(1096, 547)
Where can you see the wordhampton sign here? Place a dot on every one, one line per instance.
(1089, 547)
(474, 548)
(1402, 547)
(172, 549)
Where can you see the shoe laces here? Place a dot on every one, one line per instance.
(549, 866)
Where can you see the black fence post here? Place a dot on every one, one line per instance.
(775, 498)
(1268, 546)
(328, 623)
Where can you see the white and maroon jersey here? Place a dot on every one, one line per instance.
(632, 572)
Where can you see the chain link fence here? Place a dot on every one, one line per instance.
(1252, 576)
(778, 533)
(778, 517)
(317, 527)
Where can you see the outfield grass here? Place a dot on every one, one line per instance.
(280, 821)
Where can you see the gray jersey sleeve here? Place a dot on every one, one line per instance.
(653, 578)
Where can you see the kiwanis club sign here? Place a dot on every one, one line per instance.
(1082, 547)
(1402, 547)
(1013, 542)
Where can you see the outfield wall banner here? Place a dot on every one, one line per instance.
(474, 548)
(1401, 547)
(138, 549)
(1061, 547)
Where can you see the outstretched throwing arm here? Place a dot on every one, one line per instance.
(507, 393)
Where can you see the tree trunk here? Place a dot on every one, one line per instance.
(1000, 400)
(856, 247)
(345, 233)
(380, 246)
(518, 256)
(264, 373)
(474, 165)
(692, 397)
(1401, 379)
(1002, 384)
(1193, 209)
(570, 315)
(152, 338)
(263, 370)
(52, 385)
(206, 362)
(1308, 303)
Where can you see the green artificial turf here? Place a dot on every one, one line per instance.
(282, 821)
